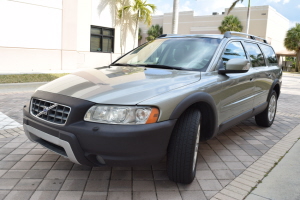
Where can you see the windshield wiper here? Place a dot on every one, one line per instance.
(148, 65)
(163, 66)
(125, 64)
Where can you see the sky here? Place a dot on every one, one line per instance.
(288, 8)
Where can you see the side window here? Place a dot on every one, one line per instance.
(233, 50)
(256, 56)
(270, 54)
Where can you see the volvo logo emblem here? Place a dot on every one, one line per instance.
(46, 109)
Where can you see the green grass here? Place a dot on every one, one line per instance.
(25, 78)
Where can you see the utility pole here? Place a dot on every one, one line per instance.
(175, 17)
(248, 17)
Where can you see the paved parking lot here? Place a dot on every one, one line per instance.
(28, 171)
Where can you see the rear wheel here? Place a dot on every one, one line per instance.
(183, 147)
(266, 118)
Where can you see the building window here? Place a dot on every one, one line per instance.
(102, 39)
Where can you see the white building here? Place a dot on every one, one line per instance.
(39, 35)
(265, 22)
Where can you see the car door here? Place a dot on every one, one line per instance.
(262, 78)
(238, 88)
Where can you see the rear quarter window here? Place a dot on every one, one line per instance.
(270, 55)
(256, 56)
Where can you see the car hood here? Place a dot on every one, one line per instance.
(120, 85)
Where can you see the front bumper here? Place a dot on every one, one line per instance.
(96, 144)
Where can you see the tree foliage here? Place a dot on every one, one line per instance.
(234, 4)
(140, 34)
(119, 17)
(154, 31)
(230, 23)
(292, 42)
(142, 10)
(248, 12)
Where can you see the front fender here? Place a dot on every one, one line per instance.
(207, 106)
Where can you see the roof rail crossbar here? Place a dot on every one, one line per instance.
(170, 35)
(251, 37)
(228, 34)
(162, 35)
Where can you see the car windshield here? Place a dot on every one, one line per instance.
(174, 53)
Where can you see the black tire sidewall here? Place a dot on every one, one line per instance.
(180, 152)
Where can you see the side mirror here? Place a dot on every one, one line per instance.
(235, 65)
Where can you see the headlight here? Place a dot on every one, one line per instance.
(122, 114)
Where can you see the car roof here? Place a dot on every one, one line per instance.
(228, 34)
(191, 36)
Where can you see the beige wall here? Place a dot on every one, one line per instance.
(26, 59)
(30, 36)
(265, 22)
(278, 25)
(55, 34)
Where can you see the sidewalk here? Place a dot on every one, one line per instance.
(283, 182)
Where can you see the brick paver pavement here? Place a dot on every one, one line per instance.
(27, 170)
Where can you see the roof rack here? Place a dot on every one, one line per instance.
(162, 35)
(228, 34)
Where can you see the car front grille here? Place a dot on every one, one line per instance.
(50, 111)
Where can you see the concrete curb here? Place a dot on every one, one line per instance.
(242, 185)
(9, 88)
(288, 115)
(18, 84)
(39, 72)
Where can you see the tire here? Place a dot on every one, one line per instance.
(266, 118)
(183, 147)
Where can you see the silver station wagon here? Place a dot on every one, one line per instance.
(158, 100)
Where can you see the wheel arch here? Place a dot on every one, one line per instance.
(275, 86)
(206, 104)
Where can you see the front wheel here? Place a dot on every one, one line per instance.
(183, 147)
(266, 118)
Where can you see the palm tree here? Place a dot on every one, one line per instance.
(140, 34)
(123, 16)
(230, 23)
(143, 12)
(154, 31)
(175, 17)
(248, 12)
(113, 6)
(292, 43)
(120, 17)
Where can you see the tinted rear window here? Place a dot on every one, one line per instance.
(256, 56)
(270, 54)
